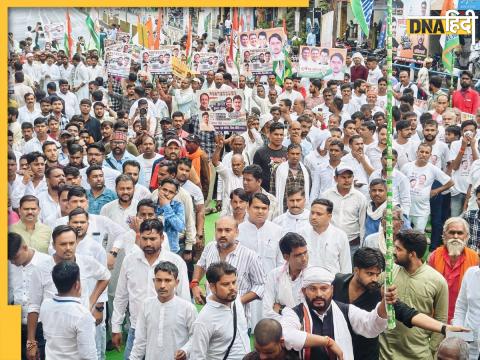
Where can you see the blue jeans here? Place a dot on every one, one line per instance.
(129, 344)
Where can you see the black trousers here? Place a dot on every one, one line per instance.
(40, 341)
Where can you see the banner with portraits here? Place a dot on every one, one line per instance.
(203, 62)
(222, 110)
(123, 37)
(256, 61)
(409, 46)
(118, 63)
(157, 61)
(322, 63)
(174, 49)
(273, 39)
(55, 31)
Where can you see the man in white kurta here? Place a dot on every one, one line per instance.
(135, 279)
(262, 236)
(80, 78)
(296, 217)
(327, 244)
(284, 284)
(165, 322)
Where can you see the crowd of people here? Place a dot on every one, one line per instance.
(110, 181)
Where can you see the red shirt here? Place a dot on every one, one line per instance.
(466, 100)
(358, 72)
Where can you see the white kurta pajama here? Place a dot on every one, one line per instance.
(264, 242)
(163, 328)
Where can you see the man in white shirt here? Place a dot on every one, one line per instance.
(400, 183)
(327, 244)
(289, 93)
(148, 156)
(165, 322)
(96, 156)
(80, 78)
(350, 206)
(184, 97)
(405, 146)
(232, 177)
(30, 110)
(31, 69)
(251, 277)
(20, 90)
(463, 153)
(124, 207)
(49, 72)
(221, 330)
(404, 83)
(467, 313)
(422, 174)
(357, 160)
(374, 72)
(68, 326)
(359, 96)
(94, 279)
(218, 83)
(134, 282)
(22, 260)
(284, 283)
(262, 236)
(72, 106)
(49, 199)
(296, 217)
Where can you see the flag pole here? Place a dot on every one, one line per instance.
(389, 220)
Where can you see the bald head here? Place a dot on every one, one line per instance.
(267, 331)
(452, 349)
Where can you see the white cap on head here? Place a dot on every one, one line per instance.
(342, 167)
(316, 275)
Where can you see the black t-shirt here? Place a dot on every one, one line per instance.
(289, 355)
(368, 348)
(268, 160)
(93, 127)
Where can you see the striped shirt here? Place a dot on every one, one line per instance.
(250, 273)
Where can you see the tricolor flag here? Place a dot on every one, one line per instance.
(67, 38)
(93, 32)
(362, 10)
(448, 42)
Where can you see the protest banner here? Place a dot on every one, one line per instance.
(123, 37)
(204, 62)
(256, 61)
(222, 110)
(180, 69)
(118, 63)
(323, 63)
(55, 32)
(409, 47)
(157, 61)
(273, 39)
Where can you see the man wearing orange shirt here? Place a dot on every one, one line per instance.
(453, 258)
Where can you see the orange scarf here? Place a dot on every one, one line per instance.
(470, 259)
(196, 160)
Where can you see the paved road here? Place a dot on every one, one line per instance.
(20, 18)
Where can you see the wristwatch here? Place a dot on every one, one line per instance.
(114, 253)
(443, 331)
(99, 308)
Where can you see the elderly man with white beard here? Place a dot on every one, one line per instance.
(453, 258)
(297, 216)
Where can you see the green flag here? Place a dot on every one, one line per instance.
(93, 33)
(362, 10)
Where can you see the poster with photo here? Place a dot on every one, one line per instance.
(323, 63)
(233, 70)
(55, 31)
(222, 110)
(174, 49)
(118, 63)
(123, 37)
(409, 46)
(157, 61)
(203, 62)
(273, 39)
(256, 61)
